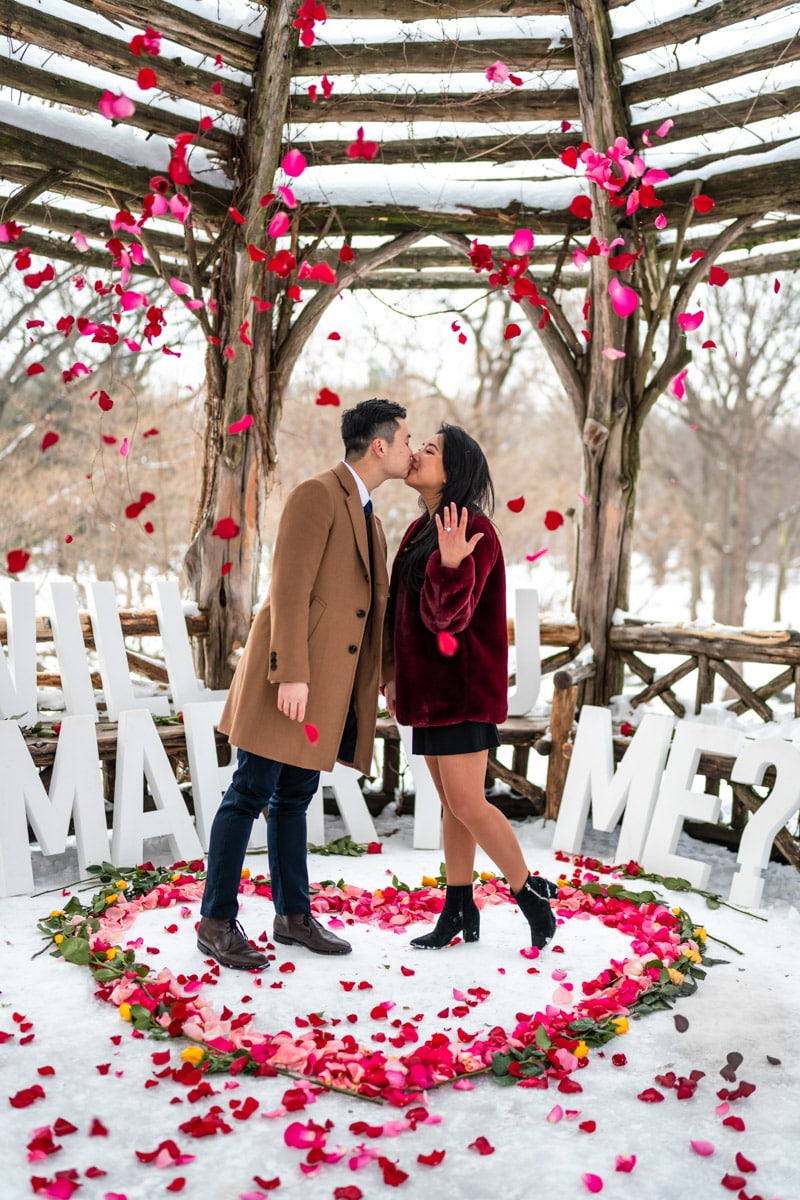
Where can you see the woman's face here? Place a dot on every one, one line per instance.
(427, 468)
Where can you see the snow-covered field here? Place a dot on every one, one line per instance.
(89, 1066)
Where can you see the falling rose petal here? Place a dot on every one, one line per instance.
(665, 127)
(311, 732)
(776, 287)
(178, 287)
(516, 505)
(660, 221)
(180, 207)
(346, 254)
(80, 241)
(225, 569)
(116, 108)
(225, 528)
(279, 225)
(612, 353)
(703, 1148)
(326, 396)
(703, 204)
(147, 79)
(498, 72)
(512, 331)
(35, 369)
(361, 148)
(677, 384)
(322, 273)
(625, 1163)
(334, 336)
(447, 644)
(689, 321)
(624, 299)
(569, 157)
(553, 520)
(592, 1183)
(294, 163)
(521, 243)
(581, 207)
(709, 345)
(124, 447)
(538, 554)
(49, 439)
(243, 423)
(289, 198)
(718, 277)
(16, 561)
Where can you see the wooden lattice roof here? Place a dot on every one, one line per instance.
(458, 156)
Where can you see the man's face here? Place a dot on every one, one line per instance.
(397, 459)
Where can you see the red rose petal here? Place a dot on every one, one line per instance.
(516, 505)
(447, 644)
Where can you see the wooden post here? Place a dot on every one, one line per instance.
(562, 716)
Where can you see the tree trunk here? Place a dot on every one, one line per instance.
(224, 574)
(609, 433)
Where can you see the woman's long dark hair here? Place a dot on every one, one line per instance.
(468, 485)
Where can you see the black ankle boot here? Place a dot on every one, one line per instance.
(537, 911)
(460, 912)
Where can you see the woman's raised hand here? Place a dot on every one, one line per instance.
(452, 529)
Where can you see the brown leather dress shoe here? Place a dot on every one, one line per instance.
(225, 941)
(305, 930)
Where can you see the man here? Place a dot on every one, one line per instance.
(304, 694)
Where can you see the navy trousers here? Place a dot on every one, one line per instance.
(286, 792)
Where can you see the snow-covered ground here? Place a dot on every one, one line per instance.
(89, 1066)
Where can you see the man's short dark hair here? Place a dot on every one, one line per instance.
(369, 420)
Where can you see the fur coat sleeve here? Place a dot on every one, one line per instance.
(469, 602)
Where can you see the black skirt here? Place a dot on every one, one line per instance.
(467, 737)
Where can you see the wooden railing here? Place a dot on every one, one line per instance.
(709, 653)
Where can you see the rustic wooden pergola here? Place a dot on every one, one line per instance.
(412, 74)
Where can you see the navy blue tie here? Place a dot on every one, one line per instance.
(368, 509)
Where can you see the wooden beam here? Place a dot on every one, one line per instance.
(546, 105)
(182, 25)
(430, 57)
(37, 27)
(714, 117)
(30, 153)
(742, 62)
(491, 149)
(440, 10)
(16, 204)
(72, 93)
(681, 29)
(50, 219)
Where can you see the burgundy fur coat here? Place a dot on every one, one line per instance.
(469, 602)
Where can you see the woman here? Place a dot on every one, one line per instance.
(449, 677)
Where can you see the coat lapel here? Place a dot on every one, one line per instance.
(355, 510)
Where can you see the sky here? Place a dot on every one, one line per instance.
(89, 1066)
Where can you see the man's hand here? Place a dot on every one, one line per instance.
(292, 700)
(389, 695)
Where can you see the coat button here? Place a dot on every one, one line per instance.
(353, 649)
(361, 612)
(366, 579)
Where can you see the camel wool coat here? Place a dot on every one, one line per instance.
(321, 624)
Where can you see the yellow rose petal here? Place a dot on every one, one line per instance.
(125, 1011)
(193, 1054)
